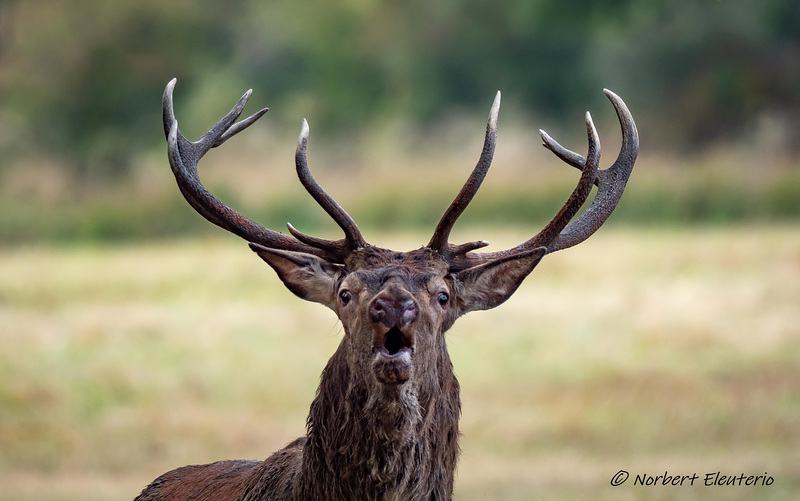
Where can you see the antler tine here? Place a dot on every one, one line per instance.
(239, 126)
(560, 233)
(568, 156)
(611, 182)
(353, 239)
(442, 233)
(579, 195)
(183, 158)
(627, 154)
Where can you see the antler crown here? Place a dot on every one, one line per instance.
(560, 233)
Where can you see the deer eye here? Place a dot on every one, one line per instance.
(443, 298)
(345, 297)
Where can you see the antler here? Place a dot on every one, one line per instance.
(442, 233)
(184, 156)
(353, 239)
(559, 233)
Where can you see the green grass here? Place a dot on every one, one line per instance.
(646, 350)
(386, 185)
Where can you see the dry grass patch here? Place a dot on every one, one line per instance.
(645, 350)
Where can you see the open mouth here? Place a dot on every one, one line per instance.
(394, 343)
(392, 357)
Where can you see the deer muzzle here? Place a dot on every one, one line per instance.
(392, 313)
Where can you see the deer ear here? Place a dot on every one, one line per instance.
(308, 276)
(488, 285)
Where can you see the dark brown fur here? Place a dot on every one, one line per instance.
(366, 439)
(384, 424)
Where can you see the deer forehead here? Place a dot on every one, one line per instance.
(373, 269)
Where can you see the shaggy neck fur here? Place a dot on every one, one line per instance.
(381, 442)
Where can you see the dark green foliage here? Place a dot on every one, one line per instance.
(83, 79)
(80, 88)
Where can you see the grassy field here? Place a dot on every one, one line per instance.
(642, 350)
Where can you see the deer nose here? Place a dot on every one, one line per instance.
(393, 312)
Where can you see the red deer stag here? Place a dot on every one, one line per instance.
(384, 423)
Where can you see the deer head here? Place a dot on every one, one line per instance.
(392, 367)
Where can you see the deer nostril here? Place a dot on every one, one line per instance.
(393, 312)
(377, 310)
(409, 312)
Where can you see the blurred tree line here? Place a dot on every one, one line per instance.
(81, 80)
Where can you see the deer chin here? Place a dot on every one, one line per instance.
(392, 356)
